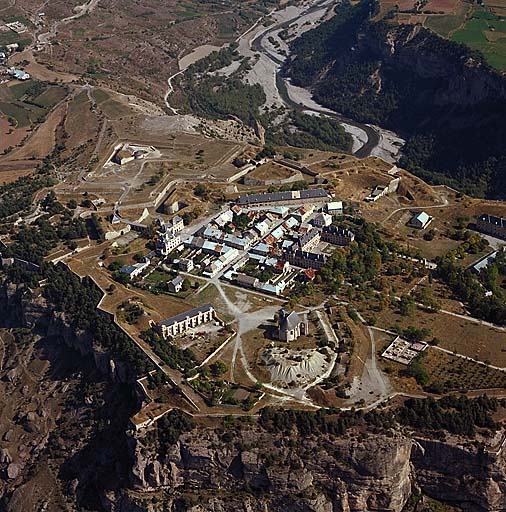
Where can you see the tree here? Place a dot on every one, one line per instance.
(201, 191)
(218, 368)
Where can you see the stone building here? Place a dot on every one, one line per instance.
(291, 326)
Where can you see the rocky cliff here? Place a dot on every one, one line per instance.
(64, 427)
(252, 470)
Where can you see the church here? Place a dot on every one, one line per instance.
(291, 326)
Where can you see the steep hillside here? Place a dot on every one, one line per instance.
(440, 95)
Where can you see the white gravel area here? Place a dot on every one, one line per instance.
(389, 146)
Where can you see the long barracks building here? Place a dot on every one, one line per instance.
(179, 324)
(316, 195)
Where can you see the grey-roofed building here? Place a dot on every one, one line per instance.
(492, 225)
(179, 324)
(135, 269)
(305, 259)
(186, 264)
(337, 235)
(246, 280)
(309, 240)
(322, 219)
(290, 326)
(485, 261)
(176, 285)
(296, 196)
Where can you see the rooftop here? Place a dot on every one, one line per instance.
(271, 197)
(491, 219)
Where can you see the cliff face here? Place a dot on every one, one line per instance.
(23, 309)
(323, 474)
(258, 471)
(472, 477)
(64, 410)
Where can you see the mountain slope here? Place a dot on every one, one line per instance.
(440, 95)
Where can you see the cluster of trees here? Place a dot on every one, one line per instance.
(471, 288)
(78, 300)
(17, 196)
(312, 132)
(455, 414)
(361, 261)
(170, 427)
(35, 241)
(183, 360)
(215, 61)
(417, 370)
(307, 423)
(218, 98)
(132, 312)
(451, 137)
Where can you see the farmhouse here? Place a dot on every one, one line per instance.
(491, 225)
(179, 324)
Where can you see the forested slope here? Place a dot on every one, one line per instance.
(443, 97)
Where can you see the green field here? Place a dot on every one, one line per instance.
(50, 97)
(100, 95)
(447, 24)
(486, 33)
(16, 112)
(28, 101)
(19, 90)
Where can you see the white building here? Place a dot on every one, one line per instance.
(334, 208)
(19, 74)
(179, 324)
(290, 326)
(224, 218)
(186, 264)
(176, 285)
(136, 269)
(322, 220)
(420, 220)
(167, 242)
